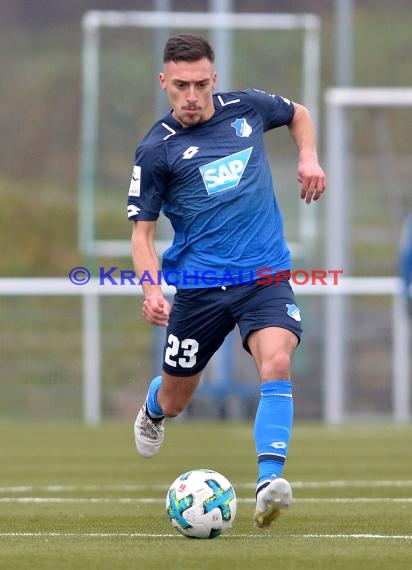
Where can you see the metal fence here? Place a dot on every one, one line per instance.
(333, 341)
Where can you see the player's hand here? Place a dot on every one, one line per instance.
(312, 180)
(156, 310)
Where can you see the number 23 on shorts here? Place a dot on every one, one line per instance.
(187, 348)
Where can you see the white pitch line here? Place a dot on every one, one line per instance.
(87, 488)
(130, 500)
(175, 535)
(338, 484)
(349, 483)
(358, 536)
(356, 500)
(86, 500)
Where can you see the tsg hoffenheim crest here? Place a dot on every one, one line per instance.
(242, 127)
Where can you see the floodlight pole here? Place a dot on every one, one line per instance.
(223, 44)
(89, 135)
(343, 55)
(161, 35)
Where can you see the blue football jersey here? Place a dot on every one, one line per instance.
(214, 184)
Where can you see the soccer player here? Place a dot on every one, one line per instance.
(205, 166)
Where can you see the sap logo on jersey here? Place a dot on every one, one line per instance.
(226, 172)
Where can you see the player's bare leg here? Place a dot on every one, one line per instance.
(168, 396)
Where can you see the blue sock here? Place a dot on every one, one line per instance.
(152, 405)
(273, 424)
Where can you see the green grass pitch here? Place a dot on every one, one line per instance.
(73, 497)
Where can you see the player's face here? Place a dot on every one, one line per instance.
(189, 86)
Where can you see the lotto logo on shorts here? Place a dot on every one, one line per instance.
(226, 172)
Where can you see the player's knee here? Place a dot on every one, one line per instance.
(278, 366)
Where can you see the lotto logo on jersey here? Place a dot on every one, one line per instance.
(226, 172)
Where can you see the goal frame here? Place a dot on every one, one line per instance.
(338, 100)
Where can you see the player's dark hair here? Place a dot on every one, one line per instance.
(187, 47)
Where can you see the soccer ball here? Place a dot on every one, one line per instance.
(201, 504)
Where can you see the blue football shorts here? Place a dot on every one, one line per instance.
(200, 320)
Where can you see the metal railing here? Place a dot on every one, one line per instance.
(333, 384)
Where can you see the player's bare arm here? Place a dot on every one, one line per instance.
(310, 174)
(156, 308)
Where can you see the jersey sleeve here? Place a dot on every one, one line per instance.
(275, 110)
(147, 185)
